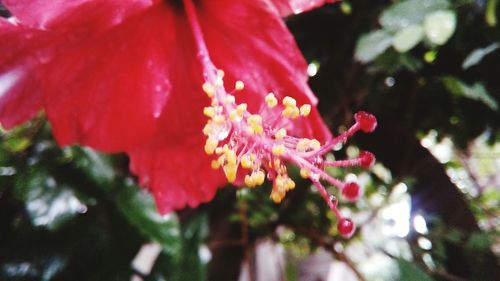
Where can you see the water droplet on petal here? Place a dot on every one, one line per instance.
(45, 56)
(221, 132)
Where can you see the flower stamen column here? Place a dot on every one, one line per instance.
(260, 148)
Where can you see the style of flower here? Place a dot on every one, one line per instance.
(126, 76)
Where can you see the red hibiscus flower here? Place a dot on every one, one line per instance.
(126, 76)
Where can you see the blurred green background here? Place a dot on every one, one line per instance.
(428, 69)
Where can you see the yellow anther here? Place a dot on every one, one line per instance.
(249, 181)
(271, 100)
(279, 183)
(237, 114)
(246, 162)
(255, 119)
(258, 129)
(280, 134)
(255, 122)
(219, 81)
(295, 112)
(254, 179)
(289, 184)
(221, 159)
(211, 145)
(305, 173)
(215, 164)
(234, 116)
(207, 129)
(307, 145)
(239, 85)
(218, 109)
(230, 172)
(276, 197)
(314, 144)
(259, 177)
(219, 119)
(209, 111)
(302, 145)
(278, 150)
(229, 99)
(288, 111)
(208, 89)
(277, 163)
(220, 73)
(250, 130)
(231, 157)
(289, 102)
(241, 108)
(305, 110)
(253, 156)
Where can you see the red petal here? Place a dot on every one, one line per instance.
(134, 83)
(251, 43)
(18, 104)
(288, 7)
(113, 98)
(19, 96)
(104, 88)
(178, 176)
(64, 13)
(262, 53)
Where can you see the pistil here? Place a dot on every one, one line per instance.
(246, 144)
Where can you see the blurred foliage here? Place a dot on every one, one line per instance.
(74, 214)
(431, 39)
(424, 68)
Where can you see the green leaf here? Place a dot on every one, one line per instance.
(371, 45)
(138, 208)
(411, 12)
(190, 265)
(391, 62)
(453, 236)
(438, 250)
(48, 203)
(475, 92)
(407, 38)
(439, 26)
(96, 166)
(478, 242)
(44, 268)
(490, 197)
(409, 271)
(16, 144)
(478, 54)
(410, 62)
(346, 8)
(490, 15)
